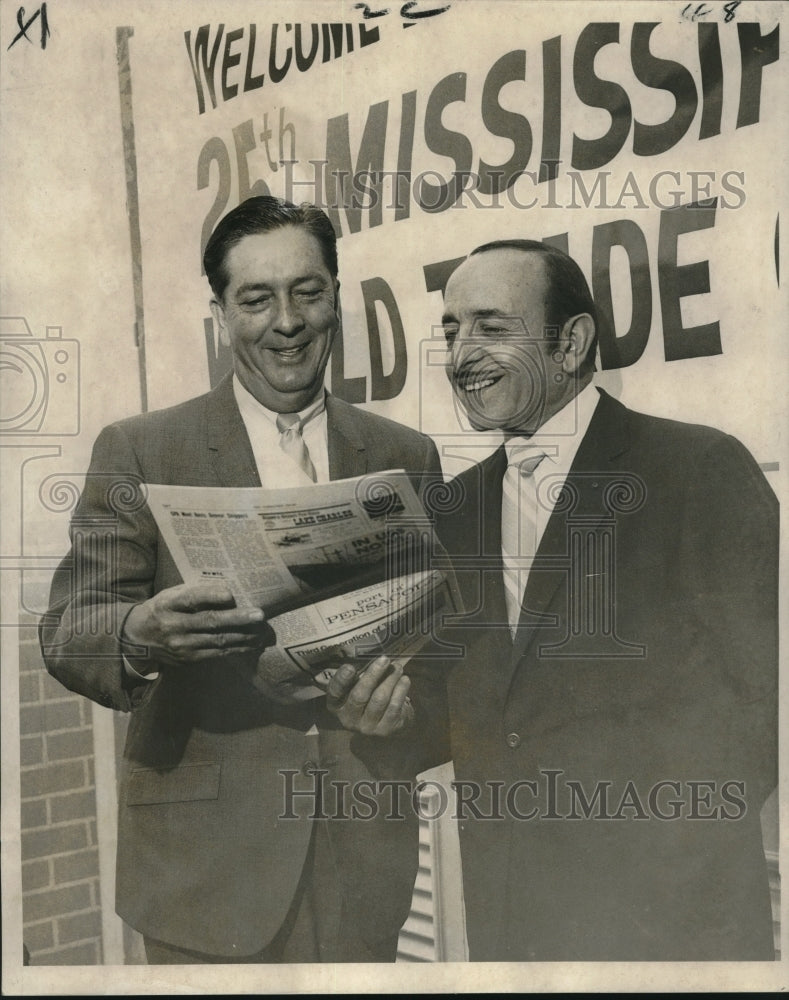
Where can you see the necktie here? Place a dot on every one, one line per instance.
(292, 443)
(518, 526)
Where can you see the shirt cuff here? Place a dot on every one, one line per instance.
(135, 675)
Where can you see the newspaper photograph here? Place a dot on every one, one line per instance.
(446, 342)
(279, 548)
(286, 551)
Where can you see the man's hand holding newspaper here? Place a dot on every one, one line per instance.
(375, 702)
(191, 623)
(342, 573)
(372, 700)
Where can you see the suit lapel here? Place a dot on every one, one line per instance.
(347, 450)
(479, 539)
(492, 471)
(228, 442)
(231, 452)
(605, 440)
(495, 610)
(476, 542)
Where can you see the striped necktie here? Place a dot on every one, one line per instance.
(518, 526)
(292, 443)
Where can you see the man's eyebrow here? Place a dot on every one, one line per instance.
(501, 313)
(479, 314)
(256, 286)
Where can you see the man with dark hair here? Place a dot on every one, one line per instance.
(567, 293)
(263, 215)
(613, 717)
(210, 868)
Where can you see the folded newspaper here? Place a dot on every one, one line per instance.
(344, 570)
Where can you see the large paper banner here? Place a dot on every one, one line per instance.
(644, 147)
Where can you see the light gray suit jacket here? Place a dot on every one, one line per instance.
(204, 861)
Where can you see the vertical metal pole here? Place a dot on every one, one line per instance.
(122, 36)
(103, 728)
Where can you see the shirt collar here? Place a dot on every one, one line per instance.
(252, 407)
(561, 435)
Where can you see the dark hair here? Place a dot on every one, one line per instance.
(568, 292)
(263, 214)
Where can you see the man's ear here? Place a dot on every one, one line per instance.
(575, 341)
(218, 312)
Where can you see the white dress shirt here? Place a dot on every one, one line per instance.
(275, 468)
(559, 437)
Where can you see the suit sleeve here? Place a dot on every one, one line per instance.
(734, 538)
(110, 568)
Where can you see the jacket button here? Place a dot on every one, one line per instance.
(513, 740)
(309, 767)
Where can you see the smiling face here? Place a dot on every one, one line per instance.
(278, 314)
(505, 367)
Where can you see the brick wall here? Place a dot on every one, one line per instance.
(60, 865)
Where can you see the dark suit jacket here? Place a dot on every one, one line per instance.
(655, 660)
(204, 862)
